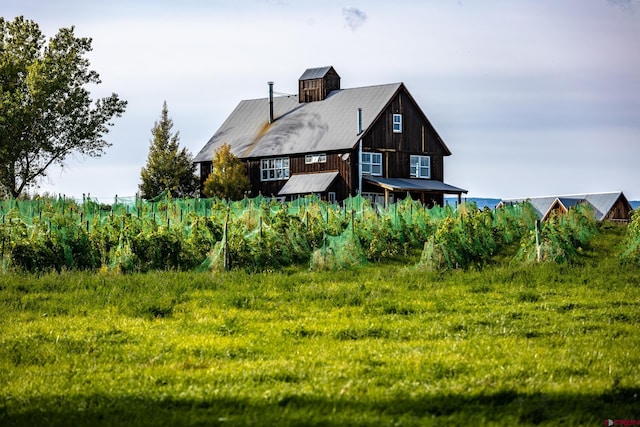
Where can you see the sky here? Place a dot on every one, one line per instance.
(532, 97)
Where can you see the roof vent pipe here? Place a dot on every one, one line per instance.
(270, 102)
(359, 121)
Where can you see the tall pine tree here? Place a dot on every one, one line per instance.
(168, 167)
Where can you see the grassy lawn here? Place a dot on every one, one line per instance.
(383, 344)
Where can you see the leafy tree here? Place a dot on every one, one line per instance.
(46, 112)
(228, 178)
(168, 167)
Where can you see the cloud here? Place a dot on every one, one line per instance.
(625, 5)
(354, 18)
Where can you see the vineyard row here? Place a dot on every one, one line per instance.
(264, 234)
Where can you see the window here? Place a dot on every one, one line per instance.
(372, 163)
(331, 197)
(397, 123)
(377, 198)
(315, 158)
(274, 169)
(420, 167)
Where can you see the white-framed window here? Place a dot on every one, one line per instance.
(315, 158)
(331, 197)
(420, 167)
(397, 123)
(274, 169)
(372, 164)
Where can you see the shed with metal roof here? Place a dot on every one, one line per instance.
(612, 206)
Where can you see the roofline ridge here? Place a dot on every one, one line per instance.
(557, 196)
(292, 95)
(374, 85)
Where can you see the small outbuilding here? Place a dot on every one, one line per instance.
(612, 206)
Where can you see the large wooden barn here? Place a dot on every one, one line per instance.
(336, 143)
(612, 206)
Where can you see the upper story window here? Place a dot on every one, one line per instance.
(274, 169)
(372, 163)
(420, 167)
(397, 123)
(315, 158)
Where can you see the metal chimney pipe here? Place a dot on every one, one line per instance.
(270, 102)
(359, 121)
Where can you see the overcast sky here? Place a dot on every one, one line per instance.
(532, 97)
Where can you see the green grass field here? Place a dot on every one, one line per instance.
(382, 344)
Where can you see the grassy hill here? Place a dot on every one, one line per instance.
(382, 344)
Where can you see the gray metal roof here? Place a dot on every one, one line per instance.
(414, 184)
(601, 202)
(315, 73)
(308, 183)
(569, 202)
(298, 127)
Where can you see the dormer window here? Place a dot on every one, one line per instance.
(397, 123)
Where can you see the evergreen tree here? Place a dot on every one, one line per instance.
(168, 167)
(228, 178)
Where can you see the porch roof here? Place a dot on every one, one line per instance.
(414, 184)
(308, 183)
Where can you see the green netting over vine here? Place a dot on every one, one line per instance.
(631, 252)
(338, 252)
(561, 238)
(470, 237)
(262, 233)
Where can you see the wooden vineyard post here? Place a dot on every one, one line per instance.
(225, 247)
(353, 225)
(538, 241)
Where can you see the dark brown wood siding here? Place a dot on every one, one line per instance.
(205, 171)
(620, 211)
(336, 161)
(341, 161)
(418, 137)
(312, 90)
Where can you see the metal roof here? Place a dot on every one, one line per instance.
(315, 73)
(569, 202)
(308, 183)
(414, 184)
(601, 202)
(298, 127)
